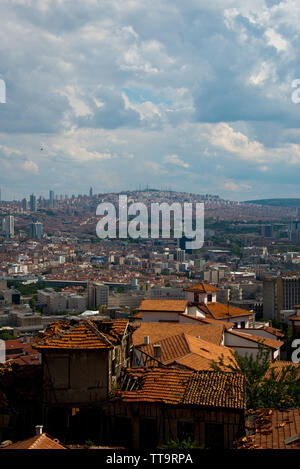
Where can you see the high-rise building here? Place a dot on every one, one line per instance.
(36, 230)
(51, 199)
(180, 255)
(25, 204)
(91, 192)
(98, 294)
(280, 292)
(8, 226)
(33, 205)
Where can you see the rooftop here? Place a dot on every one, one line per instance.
(188, 351)
(42, 441)
(202, 288)
(83, 334)
(205, 388)
(272, 429)
(163, 305)
(160, 330)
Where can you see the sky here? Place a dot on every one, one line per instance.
(190, 95)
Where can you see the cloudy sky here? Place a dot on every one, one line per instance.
(191, 95)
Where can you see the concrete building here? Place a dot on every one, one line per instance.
(33, 203)
(36, 230)
(98, 294)
(280, 292)
(8, 226)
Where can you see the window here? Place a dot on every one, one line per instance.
(209, 298)
(242, 324)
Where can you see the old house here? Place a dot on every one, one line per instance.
(200, 302)
(159, 404)
(81, 363)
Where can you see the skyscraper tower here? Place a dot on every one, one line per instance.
(36, 230)
(33, 206)
(91, 192)
(51, 199)
(8, 226)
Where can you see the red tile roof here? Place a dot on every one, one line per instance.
(83, 334)
(159, 385)
(272, 429)
(202, 288)
(43, 441)
(217, 310)
(188, 351)
(294, 317)
(167, 306)
(160, 330)
(204, 388)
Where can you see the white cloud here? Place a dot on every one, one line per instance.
(276, 40)
(31, 167)
(174, 159)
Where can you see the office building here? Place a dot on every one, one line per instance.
(280, 293)
(36, 230)
(51, 199)
(33, 204)
(8, 226)
(98, 294)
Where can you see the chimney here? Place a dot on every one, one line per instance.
(146, 340)
(39, 429)
(157, 351)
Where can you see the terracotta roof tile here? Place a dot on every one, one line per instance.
(43, 441)
(223, 311)
(188, 351)
(217, 389)
(205, 388)
(166, 306)
(202, 288)
(159, 385)
(271, 429)
(83, 334)
(160, 330)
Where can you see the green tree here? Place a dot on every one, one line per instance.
(7, 336)
(266, 386)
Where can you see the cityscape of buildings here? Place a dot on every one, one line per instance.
(131, 319)
(150, 229)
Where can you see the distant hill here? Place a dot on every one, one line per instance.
(276, 202)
